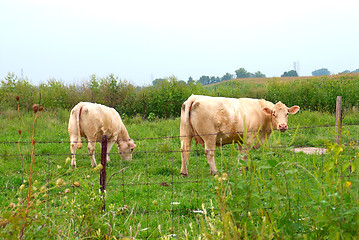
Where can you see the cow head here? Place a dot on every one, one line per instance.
(279, 115)
(125, 149)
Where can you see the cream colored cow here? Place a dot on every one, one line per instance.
(216, 121)
(92, 121)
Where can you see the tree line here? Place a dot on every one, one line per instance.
(243, 73)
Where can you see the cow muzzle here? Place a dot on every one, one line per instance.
(283, 127)
(126, 156)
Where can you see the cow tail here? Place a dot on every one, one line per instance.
(77, 115)
(188, 129)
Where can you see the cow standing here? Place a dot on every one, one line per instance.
(92, 121)
(216, 121)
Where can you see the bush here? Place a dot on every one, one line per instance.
(165, 98)
(318, 93)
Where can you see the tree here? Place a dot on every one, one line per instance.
(321, 72)
(204, 80)
(242, 73)
(356, 71)
(157, 81)
(190, 80)
(227, 76)
(214, 79)
(258, 74)
(291, 73)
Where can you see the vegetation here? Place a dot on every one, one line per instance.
(321, 72)
(164, 99)
(291, 73)
(282, 194)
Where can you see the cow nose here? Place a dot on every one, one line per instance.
(283, 127)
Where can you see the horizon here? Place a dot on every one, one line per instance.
(141, 41)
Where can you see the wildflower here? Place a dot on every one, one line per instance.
(17, 98)
(43, 189)
(12, 205)
(59, 167)
(348, 184)
(224, 176)
(98, 167)
(34, 188)
(20, 131)
(35, 108)
(68, 160)
(67, 190)
(60, 182)
(22, 186)
(41, 108)
(155, 202)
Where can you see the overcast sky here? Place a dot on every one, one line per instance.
(141, 40)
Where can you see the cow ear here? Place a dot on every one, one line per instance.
(294, 109)
(267, 111)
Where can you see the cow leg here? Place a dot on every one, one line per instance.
(109, 146)
(91, 148)
(73, 148)
(210, 147)
(185, 150)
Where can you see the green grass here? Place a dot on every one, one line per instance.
(282, 195)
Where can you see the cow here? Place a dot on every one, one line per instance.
(216, 121)
(92, 121)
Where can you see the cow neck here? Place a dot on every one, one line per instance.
(124, 136)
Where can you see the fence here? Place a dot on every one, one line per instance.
(148, 198)
(158, 192)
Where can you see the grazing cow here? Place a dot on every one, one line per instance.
(216, 121)
(92, 121)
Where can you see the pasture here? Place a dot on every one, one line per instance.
(281, 195)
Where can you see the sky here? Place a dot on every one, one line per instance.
(141, 40)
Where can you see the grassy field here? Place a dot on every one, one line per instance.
(282, 195)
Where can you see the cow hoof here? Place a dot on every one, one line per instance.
(184, 174)
(215, 173)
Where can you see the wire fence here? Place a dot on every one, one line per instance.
(150, 190)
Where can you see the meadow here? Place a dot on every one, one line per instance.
(276, 194)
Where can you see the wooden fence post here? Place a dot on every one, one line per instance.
(338, 120)
(103, 170)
